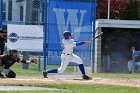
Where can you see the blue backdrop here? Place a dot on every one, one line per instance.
(75, 17)
(0, 14)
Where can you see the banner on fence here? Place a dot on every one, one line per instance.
(25, 37)
(0, 15)
(74, 17)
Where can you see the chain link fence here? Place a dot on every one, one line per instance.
(31, 12)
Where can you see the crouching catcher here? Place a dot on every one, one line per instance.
(6, 61)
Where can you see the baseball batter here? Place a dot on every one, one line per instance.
(68, 56)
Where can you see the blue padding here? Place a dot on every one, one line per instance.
(0, 14)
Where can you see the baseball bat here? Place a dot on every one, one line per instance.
(97, 36)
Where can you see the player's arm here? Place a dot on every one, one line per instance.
(20, 60)
(78, 43)
(28, 61)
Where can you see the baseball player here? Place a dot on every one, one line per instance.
(68, 56)
(6, 61)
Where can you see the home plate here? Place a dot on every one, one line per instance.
(23, 88)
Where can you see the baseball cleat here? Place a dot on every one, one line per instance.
(45, 74)
(1, 75)
(85, 77)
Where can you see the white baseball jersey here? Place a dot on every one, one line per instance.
(67, 55)
(68, 46)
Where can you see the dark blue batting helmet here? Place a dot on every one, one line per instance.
(66, 34)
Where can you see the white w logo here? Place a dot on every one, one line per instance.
(71, 20)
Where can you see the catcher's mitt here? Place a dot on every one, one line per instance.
(34, 61)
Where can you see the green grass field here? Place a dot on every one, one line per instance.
(117, 75)
(71, 88)
(32, 72)
(77, 88)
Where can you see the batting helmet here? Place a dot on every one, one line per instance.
(66, 34)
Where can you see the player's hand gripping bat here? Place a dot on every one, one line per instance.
(88, 42)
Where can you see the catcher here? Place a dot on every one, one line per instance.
(6, 61)
(68, 56)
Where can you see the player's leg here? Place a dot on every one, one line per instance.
(137, 66)
(1, 69)
(65, 59)
(78, 60)
(130, 66)
(1, 75)
(64, 64)
(9, 73)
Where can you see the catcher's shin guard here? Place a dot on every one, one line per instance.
(11, 74)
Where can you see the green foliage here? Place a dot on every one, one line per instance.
(117, 7)
(132, 12)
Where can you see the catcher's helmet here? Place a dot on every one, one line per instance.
(11, 51)
(66, 34)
